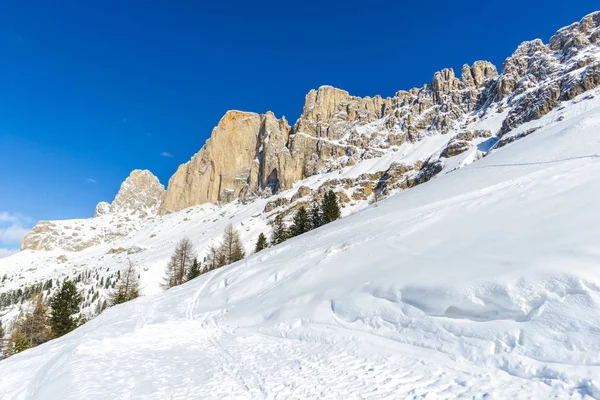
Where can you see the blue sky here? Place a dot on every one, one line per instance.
(93, 89)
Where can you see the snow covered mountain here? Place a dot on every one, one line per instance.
(481, 282)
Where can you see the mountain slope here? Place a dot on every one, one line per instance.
(481, 283)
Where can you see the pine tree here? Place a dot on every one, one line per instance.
(231, 248)
(64, 304)
(316, 219)
(330, 207)
(261, 243)
(180, 262)
(100, 306)
(301, 223)
(194, 270)
(128, 287)
(280, 233)
(18, 343)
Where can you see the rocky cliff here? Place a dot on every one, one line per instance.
(245, 156)
(336, 129)
(251, 155)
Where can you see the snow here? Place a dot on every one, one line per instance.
(482, 283)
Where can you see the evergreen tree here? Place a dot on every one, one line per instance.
(301, 223)
(261, 243)
(64, 304)
(18, 343)
(316, 219)
(330, 207)
(232, 249)
(100, 306)
(280, 233)
(180, 262)
(128, 287)
(194, 270)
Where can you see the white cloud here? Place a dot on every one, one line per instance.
(7, 252)
(90, 180)
(13, 234)
(166, 154)
(8, 217)
(13, 227)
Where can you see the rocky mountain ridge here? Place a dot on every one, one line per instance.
(336, 129)
(139, 197)
(250, 156)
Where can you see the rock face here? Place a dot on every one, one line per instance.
(251, 155)
(245, 156)
(102, 208)
(141, 195)
(538, 76)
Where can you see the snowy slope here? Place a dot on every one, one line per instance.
(482, 283)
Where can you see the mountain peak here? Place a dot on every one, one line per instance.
(140, 194)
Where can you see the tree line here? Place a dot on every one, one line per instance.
(304, 220)
(184, 265)
(59, 314)
(47, 320)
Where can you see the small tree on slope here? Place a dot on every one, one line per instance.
(301, 223)
(180, 262)
(330, 207)
(280, 233)
(261, 243)
(194, 270)
(213, 259)
(128, 287)
(316, 218)
(64, 304)
(31, 329)
(232, 248)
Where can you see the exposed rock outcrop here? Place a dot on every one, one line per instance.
(141, 194)
(251, 155)
(245, 156)
(538, 76)
(102, 208)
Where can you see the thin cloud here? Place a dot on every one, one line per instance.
(7, 252)
(8, 217)
(13, 227)
(14, 218)
(90, 180)
(12, 234)
(166, 154)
